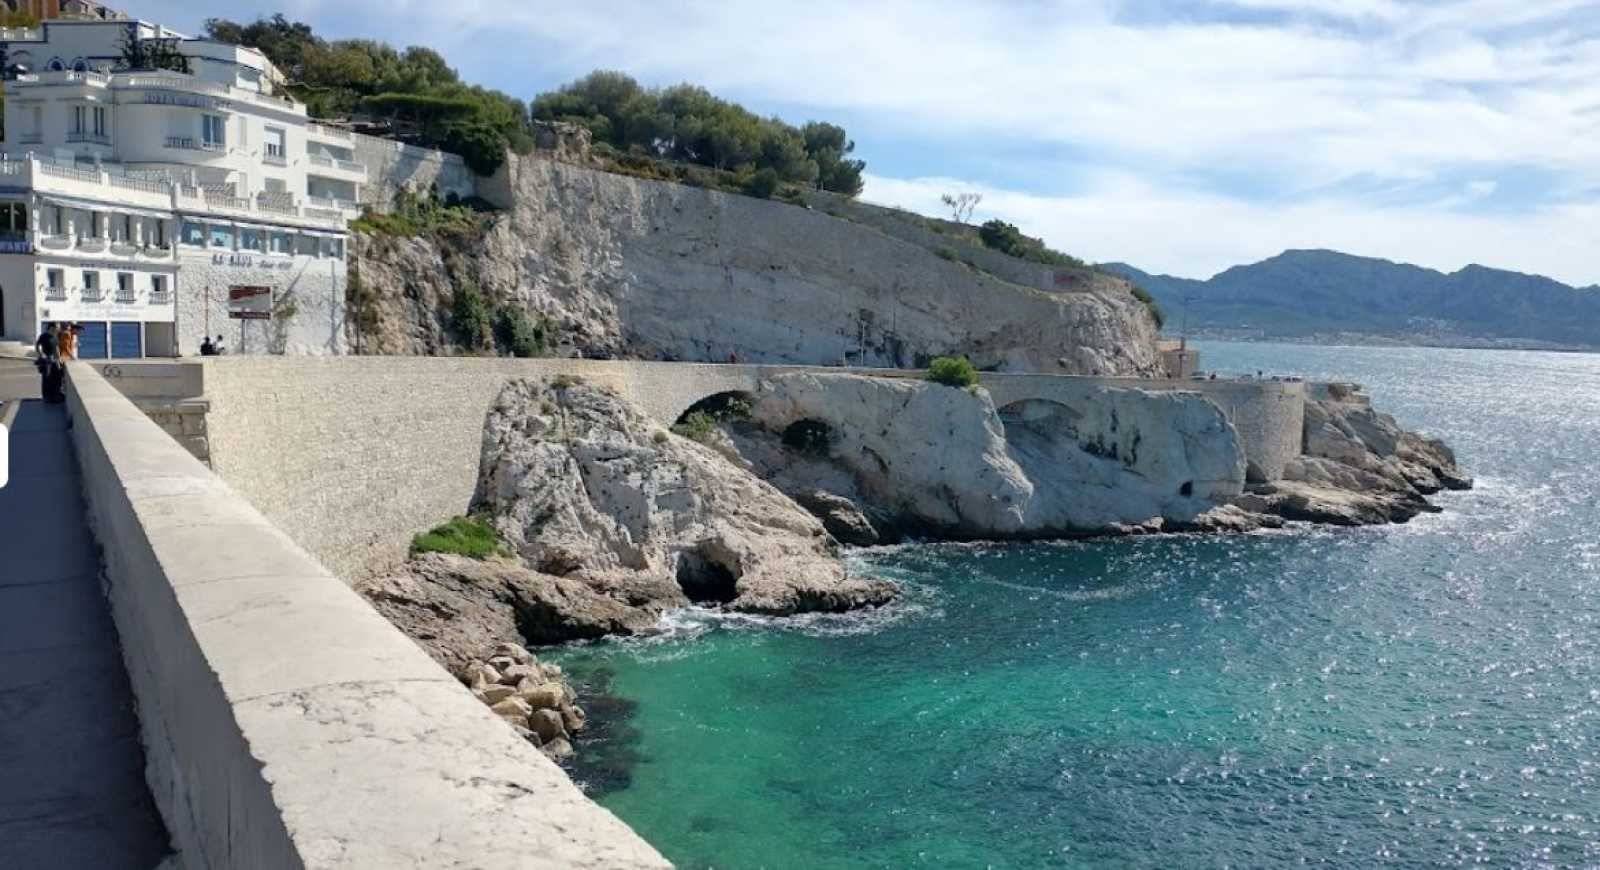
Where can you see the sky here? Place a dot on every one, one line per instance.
(1181, 136)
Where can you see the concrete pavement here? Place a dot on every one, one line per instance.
(72, 786)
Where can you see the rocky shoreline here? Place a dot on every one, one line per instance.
(609, 520)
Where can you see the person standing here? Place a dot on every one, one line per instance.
(68, 341)
(51, 372)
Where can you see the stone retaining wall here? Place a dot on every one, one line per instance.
(286, 723)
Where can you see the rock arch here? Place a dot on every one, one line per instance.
(1045, 417)
(728, 404)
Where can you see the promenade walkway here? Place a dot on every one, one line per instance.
(72, 786)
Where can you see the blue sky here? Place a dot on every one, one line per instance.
(1182, 136)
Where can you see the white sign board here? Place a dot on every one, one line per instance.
(250, 303)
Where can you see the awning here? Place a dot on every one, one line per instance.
(93, 205)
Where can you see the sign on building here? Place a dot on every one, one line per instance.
(250, 303)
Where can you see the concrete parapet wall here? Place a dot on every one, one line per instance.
(286, 723)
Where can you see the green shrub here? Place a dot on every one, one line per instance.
(953, 372)
(697, 426)
(1150, 304)
(812, 437)
(762, 183)
(518, 335)
(563, 382)
(659, 437)
(1007, 239)
(948, 254)
(463, 536)
(469, 317)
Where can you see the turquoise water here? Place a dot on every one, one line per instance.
(1415, 695)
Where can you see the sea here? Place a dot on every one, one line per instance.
(1419, 695)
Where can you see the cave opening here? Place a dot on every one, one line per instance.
(809, 436)
(704, 579)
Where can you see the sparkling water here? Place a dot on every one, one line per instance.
(1415, 695)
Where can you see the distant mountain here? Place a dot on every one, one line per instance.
(1326, 294)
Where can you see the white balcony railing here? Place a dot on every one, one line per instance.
(160, 297)
(91, 244)
(87, 137)
(124, 248)
(55, 241)
(185, 143)
(92, 294)
(274, 158)
(126, 297)
(324, 132)
(55, 294)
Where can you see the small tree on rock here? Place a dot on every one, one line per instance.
(961, 204)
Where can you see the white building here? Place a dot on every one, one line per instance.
(132, 200)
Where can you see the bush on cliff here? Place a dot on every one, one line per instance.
(1007, 239)
(953, 372)
(518, 335)
(469, 317)
(462, 536)
(762, 184)
(1156, 314)
(689, 124)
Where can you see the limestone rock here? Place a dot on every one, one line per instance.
(547, 696)
(514, 710)
(559, 749)
(572, 716)
(516, 652)
(480, 675)
(627, 267)
(517, 673)
(580, 486)
(547, 724)
(946, 462)
(840, 516)
(492, 695)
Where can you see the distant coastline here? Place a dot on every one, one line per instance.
(1363, 339)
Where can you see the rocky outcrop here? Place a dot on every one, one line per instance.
(585, 488)
(534, 697)
(878, 457)
(1359, 468)
(627, 267)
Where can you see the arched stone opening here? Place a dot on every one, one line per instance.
(1043, 417)
(721, 407)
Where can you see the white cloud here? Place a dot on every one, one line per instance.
(1461, 93)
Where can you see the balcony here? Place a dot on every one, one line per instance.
(83, 136)
(160, 297)
(348, 170)
(126, 297)
(92, 244)
(55, 294)
(274, 158)
(55, 241)
(92, 294)
(319, 131)
(183, 143)
(124, 247)
(180, 82)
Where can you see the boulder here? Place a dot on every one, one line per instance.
(840, 516)
(492, 695)
(547, 724)
(572, 716)
(559, 749)
(515, 710)
(547, 696)
(515, 674)
(480, 675)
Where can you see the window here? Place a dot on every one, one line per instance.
(213, 131)
(222, 237)
(161, 234)
(274, 143)
(55, 221)
(54, 277)
(124, 283)
(95, 225)
(15, 218)
(305, 245)
(125, 229)
(334, 248)
(91, 279)
(280, 244)
(194, 234)
(158, 285)
(99, 120)
(250, 240)
(79, 113)
(56, 65)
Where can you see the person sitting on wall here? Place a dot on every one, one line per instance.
(219, 349)
(207, 348)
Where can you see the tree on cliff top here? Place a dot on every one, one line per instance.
(688, 123)
(414, 90)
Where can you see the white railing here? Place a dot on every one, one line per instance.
(55, 241)
(330, 132)
(86, 136)
(72, 172)
(124, 248)
(274, 159)
(126, 297)
(181, 82)
(186, 143)
(92, 244)
(160, 297)
(92, 294)
(351, 166)
(320, 160)
(55, 294)
(130, 183)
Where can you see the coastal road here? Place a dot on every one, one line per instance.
(72, 786)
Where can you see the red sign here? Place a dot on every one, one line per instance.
(250, 303)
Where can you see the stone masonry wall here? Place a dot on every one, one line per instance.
(394, 165)
(352, 456)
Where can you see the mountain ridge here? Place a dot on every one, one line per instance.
(1317, 293)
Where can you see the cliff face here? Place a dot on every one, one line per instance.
(626, 267)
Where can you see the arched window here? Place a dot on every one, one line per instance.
(56, 65)
(80, 65)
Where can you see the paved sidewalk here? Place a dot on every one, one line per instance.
(72, 787)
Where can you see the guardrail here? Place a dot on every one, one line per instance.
(91, 138)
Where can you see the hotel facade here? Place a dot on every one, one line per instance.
(138, 201)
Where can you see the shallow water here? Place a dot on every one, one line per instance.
(1412, 695)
